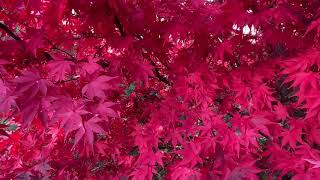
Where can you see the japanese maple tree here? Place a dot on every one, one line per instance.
(160, 89)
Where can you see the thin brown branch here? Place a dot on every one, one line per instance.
(156, 70)
(64, 51)
(100, 49)
(158, 75)
(72, 78)
(55, 47)
(10, 32)
(119, 26)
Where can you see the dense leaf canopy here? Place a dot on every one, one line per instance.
(159, 89)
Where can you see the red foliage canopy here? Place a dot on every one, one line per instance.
(153, 89)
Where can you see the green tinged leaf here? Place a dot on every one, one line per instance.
(17, 29)
(183, 117)
(159, 175)
(134, 152)
(263, 176)
(262, 141)
(130, 89)
(99, 166)
(4, 121)
(12, 127)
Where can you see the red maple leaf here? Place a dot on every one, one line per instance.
(316, 163)
(181, 173)
(314, 25)
(104, 109)
(71, 118)
(7, 99)
(59, 68)
(97, 87)
(91, 66)
(292, 136)
(32, 82)
(88, 128)
(306, 81)
(35, 42)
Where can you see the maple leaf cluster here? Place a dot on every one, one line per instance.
(160, 89)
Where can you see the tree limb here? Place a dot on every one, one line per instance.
(9, 32)
(119, 26)
(158, 75)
